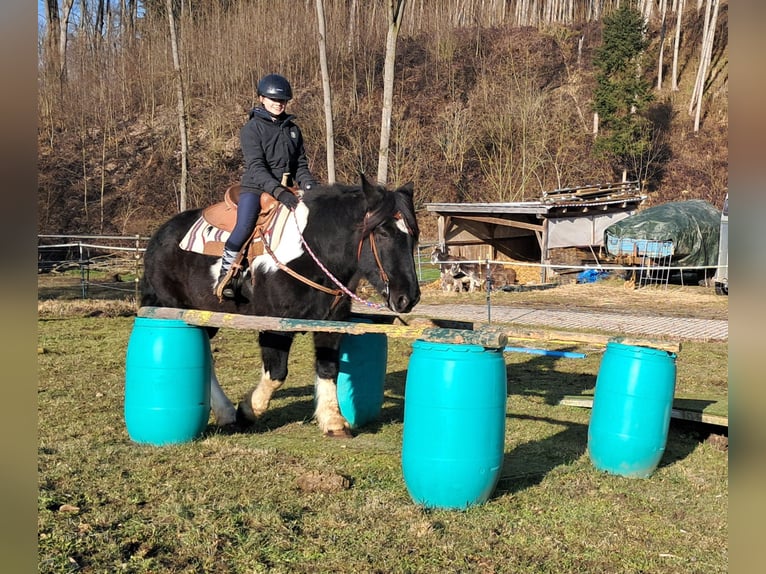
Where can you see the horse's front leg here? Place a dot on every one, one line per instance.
(275, 349)
(331, 422)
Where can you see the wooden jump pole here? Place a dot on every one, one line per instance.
(526, 334)
(485, 336)
(591, 338)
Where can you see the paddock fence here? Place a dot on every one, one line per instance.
(112, 265)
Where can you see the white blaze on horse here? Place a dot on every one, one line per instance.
(349, 233)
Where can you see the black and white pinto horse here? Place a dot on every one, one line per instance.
(354, 232)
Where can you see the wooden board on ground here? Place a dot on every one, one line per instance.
(710, 411)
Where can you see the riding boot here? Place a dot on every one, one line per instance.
(223, 288)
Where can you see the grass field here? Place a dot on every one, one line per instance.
(278, 497)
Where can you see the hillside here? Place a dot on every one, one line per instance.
(124, 180)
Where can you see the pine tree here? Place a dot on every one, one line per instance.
(622, 94)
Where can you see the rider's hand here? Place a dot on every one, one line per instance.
(286, 197)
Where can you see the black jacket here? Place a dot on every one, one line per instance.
(271, 147)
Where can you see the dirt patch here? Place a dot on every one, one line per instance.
(327, 482)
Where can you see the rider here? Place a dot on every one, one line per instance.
(272, 146)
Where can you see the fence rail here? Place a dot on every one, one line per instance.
(93, 253)
(123, 254)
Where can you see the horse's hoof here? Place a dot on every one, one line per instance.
(245, 414)
(338, 433)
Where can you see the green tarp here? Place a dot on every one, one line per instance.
(691, 227)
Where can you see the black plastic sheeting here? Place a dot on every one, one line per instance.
(692, 226)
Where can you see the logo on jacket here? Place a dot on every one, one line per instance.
(293, 134)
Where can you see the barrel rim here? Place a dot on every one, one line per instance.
(461, 347)
(638, 349)
(165, 323)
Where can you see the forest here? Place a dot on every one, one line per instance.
(140, 102)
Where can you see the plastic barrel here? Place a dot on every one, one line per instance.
(628, 427)
(167, 381)
(454, 424)
(362, 376)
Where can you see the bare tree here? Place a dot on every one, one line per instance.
(677, 43)
(51, 37)
(62, 42)
(708, 38)
(707, 52)
(663, 10)
(181, 105)
(329, 133)
(395, 14)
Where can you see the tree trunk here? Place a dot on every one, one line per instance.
(707, 53)
(677, 44)
(663, 10)
(51, 43)
(181, 105)
(62, 43)
(395, 13)
(329, 135)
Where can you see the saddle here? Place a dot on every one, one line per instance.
(223, 216)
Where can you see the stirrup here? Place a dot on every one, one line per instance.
(224, 288)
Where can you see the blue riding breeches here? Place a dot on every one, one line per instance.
(248, 208)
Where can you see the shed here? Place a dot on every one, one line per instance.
(534, 230)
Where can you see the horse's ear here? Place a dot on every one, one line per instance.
(371, 192)
(408, 188)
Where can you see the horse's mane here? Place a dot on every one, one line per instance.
(392, 204)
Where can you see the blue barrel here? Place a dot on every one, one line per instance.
(362, 376)
(454, 424)
(167, 381)
(628, 427)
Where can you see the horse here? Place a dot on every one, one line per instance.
(352, 232)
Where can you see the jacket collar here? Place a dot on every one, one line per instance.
(261, 113)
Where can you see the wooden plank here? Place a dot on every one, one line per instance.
(485, 336)
(500, 221)
(521, 334)
(709, 411)
(591, 338)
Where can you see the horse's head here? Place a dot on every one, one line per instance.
(389, 238)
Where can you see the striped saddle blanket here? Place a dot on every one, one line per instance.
(208, 239)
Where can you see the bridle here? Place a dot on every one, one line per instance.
(342, 289)
(374, 248)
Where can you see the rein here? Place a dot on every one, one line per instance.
(326, 271)
(293, 273)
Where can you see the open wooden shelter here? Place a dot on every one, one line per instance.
(537, 231)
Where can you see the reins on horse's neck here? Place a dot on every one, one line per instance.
(293, 273)
(326, 271)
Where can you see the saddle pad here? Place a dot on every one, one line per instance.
(205, 238)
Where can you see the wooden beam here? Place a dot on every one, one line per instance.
(590, 338)
(683, 409)
(500, 221)
(485, 336)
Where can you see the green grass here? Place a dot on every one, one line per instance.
(231, 502)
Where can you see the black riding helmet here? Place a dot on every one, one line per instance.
(275, 87)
